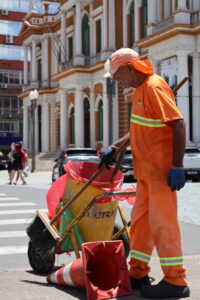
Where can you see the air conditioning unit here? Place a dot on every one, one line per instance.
(3, 86)
(9, 39)
(4, 12)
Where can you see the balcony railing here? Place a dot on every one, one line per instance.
(163, 24)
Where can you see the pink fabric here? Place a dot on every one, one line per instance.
(54, 194)
(131, 198)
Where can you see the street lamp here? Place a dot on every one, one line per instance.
(110, 87)
(33, 95)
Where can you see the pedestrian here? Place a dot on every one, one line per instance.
(26, 168)
(157, 139)
(18, 163)
(10, 160)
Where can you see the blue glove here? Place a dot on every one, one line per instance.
(176, 179)
(107, 157)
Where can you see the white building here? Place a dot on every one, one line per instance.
(68, 52)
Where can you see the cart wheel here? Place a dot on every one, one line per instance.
(41, 264)
(123, 237)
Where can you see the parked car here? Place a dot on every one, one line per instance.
(127, 166)
(73, 154)
(191, 164)
(3, 165)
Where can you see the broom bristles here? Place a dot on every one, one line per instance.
(42, 234)
(36, 227)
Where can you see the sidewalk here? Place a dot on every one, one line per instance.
(24, 285)
(36, 178)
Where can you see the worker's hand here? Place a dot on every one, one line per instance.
(107, 157)
(176, 179)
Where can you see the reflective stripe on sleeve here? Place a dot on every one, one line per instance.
(171, 261)
(140, 256)
(146, 122)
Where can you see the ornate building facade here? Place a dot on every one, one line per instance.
(68, 51)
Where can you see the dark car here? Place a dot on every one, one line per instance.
(73, 154)
(127, 165)
(3, 165)
(191, 164)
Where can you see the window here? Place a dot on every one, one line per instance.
(144, 18)
(129, 112)
(10, 27)
(70, 47)
(10, 105)
(131, 24)
(100, 120)
(11, 77)
(9, 128)
(85, 36)
(24, 5)
(11, 52)
(71, 127)
(98, 36)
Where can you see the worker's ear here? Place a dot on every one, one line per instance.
(130, 66)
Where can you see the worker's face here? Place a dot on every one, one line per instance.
(127, 76)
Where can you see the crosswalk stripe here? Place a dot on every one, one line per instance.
(3, 195)
(5, 250)
(17, 204)
(12, 234)
(15, 221)
(22, 211)
(8, 198)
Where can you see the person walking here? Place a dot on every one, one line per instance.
(18, 163)
(10, 160)
(157, 139)
(26, 168)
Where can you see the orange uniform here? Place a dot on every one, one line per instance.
(154, 217)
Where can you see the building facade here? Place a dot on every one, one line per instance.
(11, 75)
(76, 105)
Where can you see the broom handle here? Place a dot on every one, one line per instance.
(179, 85)
(121, 148)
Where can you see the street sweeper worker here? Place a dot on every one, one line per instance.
(157, 140)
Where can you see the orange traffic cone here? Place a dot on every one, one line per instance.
(105, 270)
(71, 274)
(102, 271)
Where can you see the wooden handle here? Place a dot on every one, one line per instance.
(179, 85)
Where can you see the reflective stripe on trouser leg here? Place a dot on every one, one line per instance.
(165, 231)
(141, 242)
(171, 261)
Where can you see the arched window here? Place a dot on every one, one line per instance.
(71, 127)
(86, 122)
(85, 36)
(100, 120)
(98, 36)
(144, 18)
(132, 27)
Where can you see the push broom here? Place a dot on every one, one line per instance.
(42, 233)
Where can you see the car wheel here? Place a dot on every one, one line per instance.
(40, 264)
(123, 237)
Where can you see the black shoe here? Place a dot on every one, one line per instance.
(139, 283)
(165, 290)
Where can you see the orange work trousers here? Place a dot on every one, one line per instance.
(154, 223)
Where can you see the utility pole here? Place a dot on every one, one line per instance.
(110, 85)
